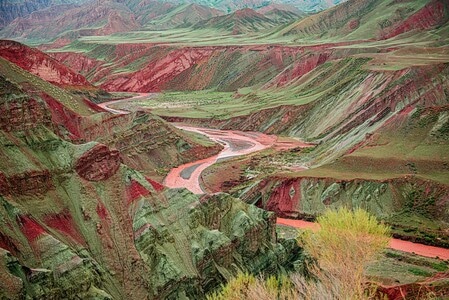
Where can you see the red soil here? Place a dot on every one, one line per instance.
(420, 249)
(428, 17)
(40, 64)
(7, 243)
(64, 116)
(63, 223)
(419, 290)
(102, 211)
(98, 163)
(136, 191)
(302, 67)
(156, 185)
(285, 199)
(30, 228)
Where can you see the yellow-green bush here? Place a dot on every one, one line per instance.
(345, 243)
(343, 246)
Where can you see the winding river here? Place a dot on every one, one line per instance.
(237, 143)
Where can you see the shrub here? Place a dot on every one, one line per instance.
(345, 243)
(343, 246)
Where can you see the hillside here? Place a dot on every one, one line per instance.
(371, 19)
(336, 95)
(10, 10)
(147, 10)
(42, 65)
(241, 21)
(233, 5)
(93, 18)
(281, 13)
(183, 16)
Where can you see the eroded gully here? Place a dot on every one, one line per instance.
(238, 143)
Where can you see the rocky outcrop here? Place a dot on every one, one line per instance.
(435, 285)
(98, 163)
(146, 142)
(224, 233)
(33, 182)
(23, 115)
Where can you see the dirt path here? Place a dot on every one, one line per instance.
(406, 246)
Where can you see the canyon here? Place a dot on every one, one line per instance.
(152, 149)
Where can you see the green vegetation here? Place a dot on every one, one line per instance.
(403, 268)
(343, 246)
(195, 104)
(246, 286)
(23, 78)
(341, 249)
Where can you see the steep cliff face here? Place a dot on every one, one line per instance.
(98, 163)
(415, 208)
(147, 143)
